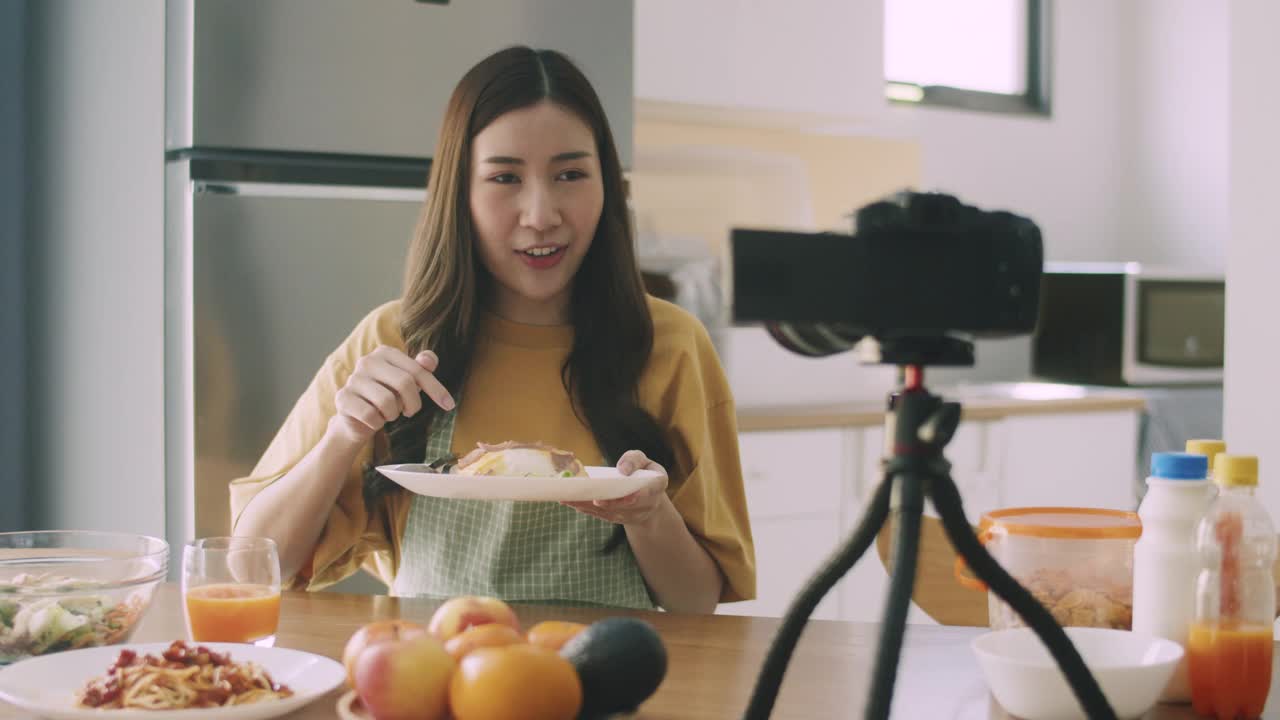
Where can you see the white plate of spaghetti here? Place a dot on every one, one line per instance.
(161, 681)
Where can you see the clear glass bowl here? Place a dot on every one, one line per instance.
(67, 589)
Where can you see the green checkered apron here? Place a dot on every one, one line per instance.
(541, 552)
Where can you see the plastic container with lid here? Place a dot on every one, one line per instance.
(1230, 645)
(1164, 560)
(1078, 562)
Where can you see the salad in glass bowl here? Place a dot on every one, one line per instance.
(67, 589)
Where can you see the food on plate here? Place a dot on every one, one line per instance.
(182, 676)
(33, 623)
(515, 459)
(621, 662)
(459, 613)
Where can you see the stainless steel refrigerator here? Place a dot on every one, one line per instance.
(298, 136)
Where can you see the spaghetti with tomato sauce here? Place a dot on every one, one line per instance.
(181, 677)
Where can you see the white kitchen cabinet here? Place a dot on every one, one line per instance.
(973, 462)
(864, 588)
(794, 472)
(810, 56)
(797, 482)
(807, 491)
(788, 552)
(974, 454)
(1087, 459)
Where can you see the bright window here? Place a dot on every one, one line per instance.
(977, 54)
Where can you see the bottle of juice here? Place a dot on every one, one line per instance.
(1229, 645)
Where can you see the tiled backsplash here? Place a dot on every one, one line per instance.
(698, 175)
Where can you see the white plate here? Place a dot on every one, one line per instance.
(47, 685)
(601, 483)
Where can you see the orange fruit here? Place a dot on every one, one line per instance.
(553, 634)
(478, 636)
(515, 682)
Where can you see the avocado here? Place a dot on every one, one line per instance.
(621, 661)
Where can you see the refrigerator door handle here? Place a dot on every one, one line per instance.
(309, 191)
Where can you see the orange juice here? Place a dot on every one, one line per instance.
(1230, 669)
(232, 612)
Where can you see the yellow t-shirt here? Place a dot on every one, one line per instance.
(514, 392)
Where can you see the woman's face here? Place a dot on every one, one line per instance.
(536, 198)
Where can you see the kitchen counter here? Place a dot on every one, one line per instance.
(978, 402)
(713, 660)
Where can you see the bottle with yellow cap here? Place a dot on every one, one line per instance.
(1229, 645)
(1208, 448)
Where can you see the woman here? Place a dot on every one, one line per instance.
(523, 318)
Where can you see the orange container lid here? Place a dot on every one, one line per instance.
(1063, 522)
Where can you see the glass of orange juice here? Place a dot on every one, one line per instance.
(231, 589)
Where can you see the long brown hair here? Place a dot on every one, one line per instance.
(445, 281)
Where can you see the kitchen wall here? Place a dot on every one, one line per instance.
(13, 341)
(1253, 249)
(1130, 165)
(1061, 171)
(817, 57)
(95, 135)
(1174, 207)
(699, 172)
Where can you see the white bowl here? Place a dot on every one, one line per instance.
(1131, 668)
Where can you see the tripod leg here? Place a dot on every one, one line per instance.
(784, 643)
(946, 499)
(906, 548)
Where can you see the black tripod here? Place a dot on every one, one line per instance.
(922, 425)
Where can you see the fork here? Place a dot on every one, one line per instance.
(443, 465)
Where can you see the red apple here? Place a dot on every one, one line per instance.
(376, 633)
(405, 679)
(459, 613)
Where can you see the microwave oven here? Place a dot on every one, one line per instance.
(1129, 324)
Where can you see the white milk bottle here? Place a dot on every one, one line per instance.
(1165, 564)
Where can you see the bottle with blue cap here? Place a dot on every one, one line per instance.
(1165, 564)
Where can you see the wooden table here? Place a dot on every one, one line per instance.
(713, 659)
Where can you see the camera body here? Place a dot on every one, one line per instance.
(920, 266)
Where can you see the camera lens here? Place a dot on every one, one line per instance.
(813, 339)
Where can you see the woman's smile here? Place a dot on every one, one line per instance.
(541, 257)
